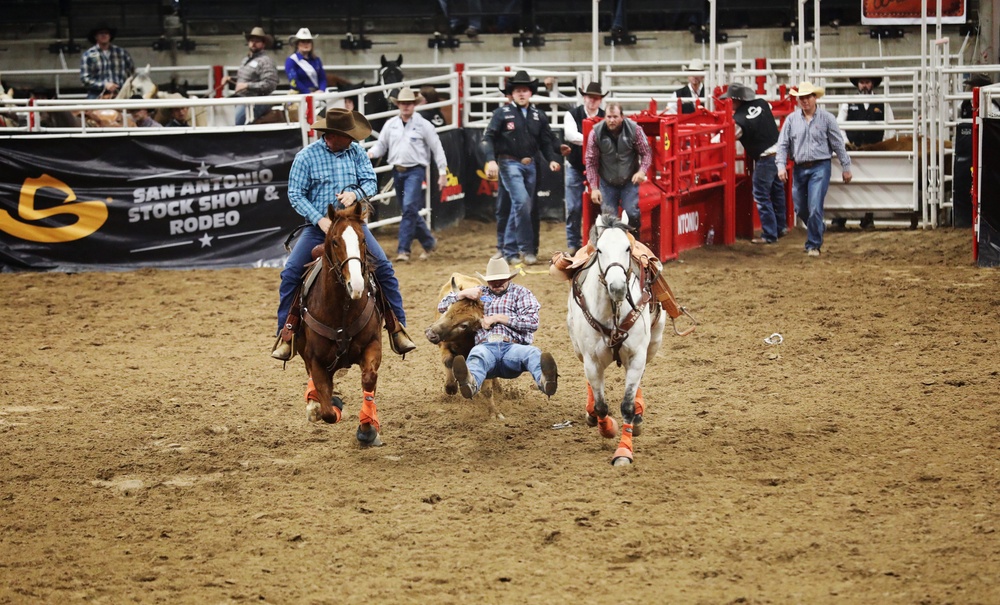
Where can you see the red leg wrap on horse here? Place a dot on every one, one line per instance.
(368, 414)
(640, 401)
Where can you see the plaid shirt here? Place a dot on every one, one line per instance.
(98, 68)
(318, 175)
(517, 303)
(260, 74)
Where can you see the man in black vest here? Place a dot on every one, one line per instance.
(572, 148)
(864, 112)
(695, 88)
(756, 129)
(617, 158)
(516, 133)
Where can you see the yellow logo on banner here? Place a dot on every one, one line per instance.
(90, 215)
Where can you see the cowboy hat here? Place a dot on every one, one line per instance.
(521, 78)
(406, 95)
(876, 81)
(740, 92)
(805, 89)
(977, 80)
(258, 32)
(101, 27)
(593, 90)
(344, 121)
(497, 269)
(302, 35)
(695, 65)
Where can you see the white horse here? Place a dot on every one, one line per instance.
(611, 318)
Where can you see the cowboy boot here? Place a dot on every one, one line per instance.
(399, 340)
(284, 347)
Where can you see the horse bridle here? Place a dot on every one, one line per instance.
(339, 272)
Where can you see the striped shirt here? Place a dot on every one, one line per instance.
(410, 144)
(318, 175)
(260, 74)
(811, 140)
(517, 303)
(97, 67)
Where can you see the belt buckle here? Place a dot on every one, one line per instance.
(526, 161)
(495, 338)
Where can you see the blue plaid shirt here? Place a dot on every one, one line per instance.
(318, 175)
(517, 303)
(98, 68)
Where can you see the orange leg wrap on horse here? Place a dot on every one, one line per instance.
(368, 414)
(590, 400)
(311, 393)
(626, 440)
(640, 401)
(607, 427)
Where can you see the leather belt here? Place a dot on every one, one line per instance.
(399, 168)
(524, 161)
(809, 164)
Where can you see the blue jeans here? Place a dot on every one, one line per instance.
(503, 215)
(258, 111)
(574, 206)
(411, 200)
(769, 194)
(519, 180)
(627, 196)
(809, 186)
(309, 238)
(504, 360)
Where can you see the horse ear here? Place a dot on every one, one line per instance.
(384, 62)
(331, 211)
(625, 218)
(399, 61)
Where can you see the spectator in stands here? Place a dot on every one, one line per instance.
(104, 67)
(962, 209)
(572, 150)
(429, 94)
(756, 129)
(178, 117)
(257, 76)
(864, 112)
(411, 141)
(810, 136)
(142, 117)
(516, 133)
(695, 88)
(303, 68)
(617, 157)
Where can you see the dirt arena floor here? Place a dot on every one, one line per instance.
(152, 452)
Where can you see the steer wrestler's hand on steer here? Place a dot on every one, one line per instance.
(347, 198)
(470, 293)
(491, 320)
(595, 196)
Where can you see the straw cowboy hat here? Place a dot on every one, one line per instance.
(258, 32)
(593, 90)
(805, 89)
(345, 122)
(497, 269)
(876, 81)
(521, 78)
(695, 65)
(977, 80)
(740, 92)
(101, 27)
(406, 95)
(303, 35)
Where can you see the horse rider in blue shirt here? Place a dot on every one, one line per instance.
(332, 171)
(104, 67)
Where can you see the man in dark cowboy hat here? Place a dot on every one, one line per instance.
(864, 112)
(516, 133)
(257, 76)
(104, 67)
(572, 148)
(334, 170)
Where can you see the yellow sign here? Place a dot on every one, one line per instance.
(90, 215)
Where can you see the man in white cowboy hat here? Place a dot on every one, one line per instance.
(410, 141)
(757, 131)
(104, 67)
(334, 170)
(303, 67)
(864, 112)
(517, 132)
(503, 346)
(695, 88)
(809, 137)
(572, 149)
(257, 75)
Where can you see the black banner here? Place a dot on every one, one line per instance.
(989, 206)
(123, 202)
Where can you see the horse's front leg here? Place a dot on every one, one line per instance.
(320, 403)
(369, 427)
(631, 416)
(597, 406)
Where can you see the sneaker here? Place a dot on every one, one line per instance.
(761, 240)
(403, 257)
(868, 222)
(282, 352)
(427, 253)
(530, 259)
(783, 232)
(497, 255)
(461, 370)
(838, 224)
(550, 375)
(513, 260)
(813, 251)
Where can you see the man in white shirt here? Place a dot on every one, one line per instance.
(695, 88)
(864, 112)
(572, 150)
(410, 141)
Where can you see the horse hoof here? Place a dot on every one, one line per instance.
(608, 427)
(312, 411)
(368, 436)
(622, 457)
(451, 389)
(637, 425)
(591, 420)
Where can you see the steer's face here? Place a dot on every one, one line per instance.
(463, 317)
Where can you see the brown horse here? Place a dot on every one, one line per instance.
(342, 323)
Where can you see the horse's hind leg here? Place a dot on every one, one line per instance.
(369, 427)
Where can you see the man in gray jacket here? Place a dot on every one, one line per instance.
(617, 159)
